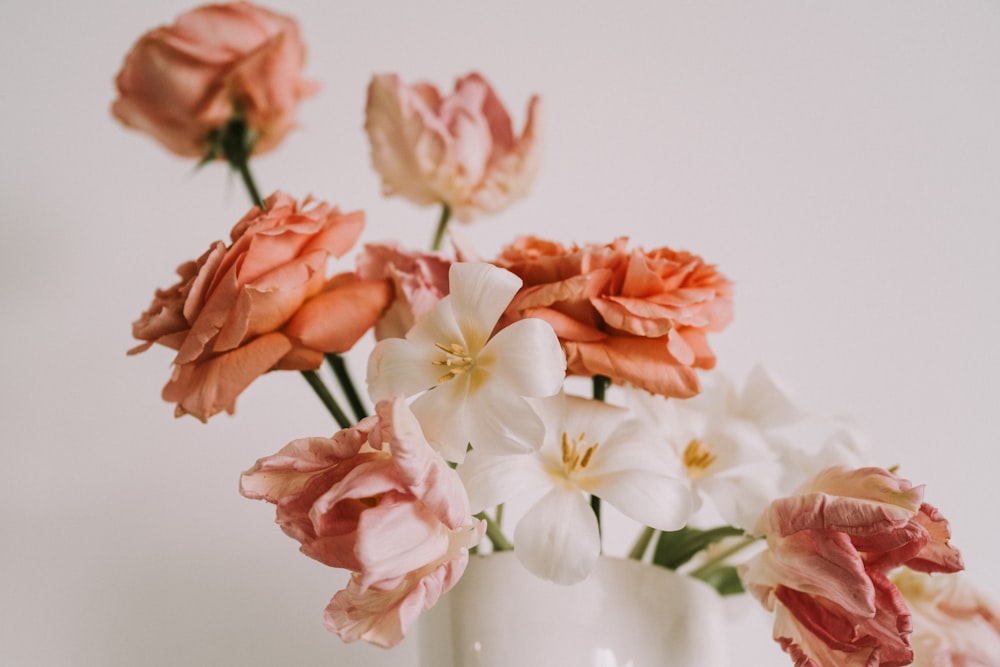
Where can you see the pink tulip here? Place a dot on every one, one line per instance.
(262, 303)
(419, 281)
(824, 573)
(954, 625)
(377, 500)
(458, 149)
(634, 316)
(180, 83)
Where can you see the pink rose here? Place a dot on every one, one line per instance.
(260, 304)
(419, 281)
(183, 82)
(824, 573)
(458, 150)
(631, 315)
(377, 500)
(954, 625)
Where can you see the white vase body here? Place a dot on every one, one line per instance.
(625, 614)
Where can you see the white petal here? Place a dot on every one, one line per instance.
(479, 294)
(765, 402)
(557, 539)
(654, 500)
(739, 499)
(437, 326)
(444, 419)
(398, 367)
(500, 421)
(527, 357)
(492, 479)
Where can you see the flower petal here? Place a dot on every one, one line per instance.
(479, 294)
(527, 357)
(558, 538)
(492, 479)
(654, 500)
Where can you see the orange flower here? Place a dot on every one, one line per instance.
(631, 315)
(458, 149)
(183, 82)
(262, 303)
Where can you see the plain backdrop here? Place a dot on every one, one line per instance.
(840, 161)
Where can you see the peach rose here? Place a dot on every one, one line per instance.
(419, 281)
(458, 150)
(183, 83)
(631, 315)
(954, 625)
(377, 500)
(824, 573)
(260, 304)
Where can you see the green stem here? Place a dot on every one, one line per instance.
(642, 543)
(314, 380)
(601, 384)
(244, 169)
(499, 540)
(719, 559)
(340, 369)
(441, 227)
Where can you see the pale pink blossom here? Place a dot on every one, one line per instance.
(377, 500)
(419, 280)
(824, 572)
(458, 149)
(180, 83)
(954, 624)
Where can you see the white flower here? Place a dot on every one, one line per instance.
(724, 439)
(475, 385)
(589, 448)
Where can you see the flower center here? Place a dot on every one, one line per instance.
(697, 458)
(576, 453)
(456, 361)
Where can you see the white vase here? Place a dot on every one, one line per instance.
(625, 614)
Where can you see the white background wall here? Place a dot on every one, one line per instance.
(840, 161)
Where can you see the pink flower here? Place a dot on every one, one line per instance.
(260, 304)
(634, 316)
(824, 573)
(180, 83)
(419, 281)
(377, 500)
(458, 150)
(954, 625)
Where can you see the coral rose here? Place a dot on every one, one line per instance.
(182, 83)
(824, 573)
(459, 150)
(954, 625)
(259, 304)
(419, 281)
(631, 315)
(377, 500)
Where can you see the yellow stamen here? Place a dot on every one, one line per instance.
(698, 457)
(457, 361)
(572, 457)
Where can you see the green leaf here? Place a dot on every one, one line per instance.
(676, 547)
(724, 579)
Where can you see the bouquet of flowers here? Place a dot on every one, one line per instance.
(557, 377)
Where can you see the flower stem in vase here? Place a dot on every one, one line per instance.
(314, 380)
(601, 384)
(343, 374)
(642, 543)
(441, 227)
(493, 532)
